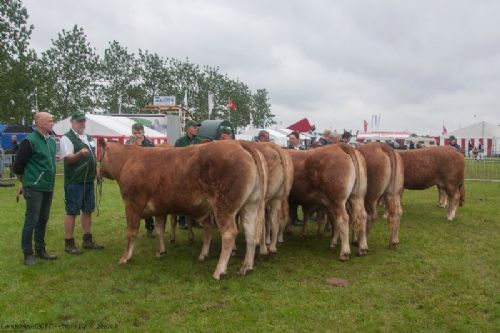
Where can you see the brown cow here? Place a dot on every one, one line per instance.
(327, 177)
(280, 171)
(280, 178)
(441, 166)
(222, 178)
(385, 180)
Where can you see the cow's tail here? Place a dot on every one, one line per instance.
(350, 151)
(286, 163)
(461, 188)
(263, 178)
(394, 165)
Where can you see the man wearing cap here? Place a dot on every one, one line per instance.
(78, 151)
(35, 167)
(346, 137)
(190, 137)
(225, 133)
(452, 141)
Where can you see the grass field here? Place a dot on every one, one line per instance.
(444, 277)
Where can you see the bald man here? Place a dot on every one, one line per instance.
(35, 167)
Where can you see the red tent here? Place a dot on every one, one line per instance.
(302, 125)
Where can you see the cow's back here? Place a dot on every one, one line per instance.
(430, 166)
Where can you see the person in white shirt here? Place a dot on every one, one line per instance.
(79, 153)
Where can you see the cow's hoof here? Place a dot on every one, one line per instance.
(245, 270)
(333, 245)
(160, 254)
(273, 250)
(122, 261)
(362, 252)
(201, 257)
(393, 245)
(344, 257)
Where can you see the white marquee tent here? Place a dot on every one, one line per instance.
(98, 125)
(482, 132)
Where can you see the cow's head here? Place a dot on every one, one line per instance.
(104, 167)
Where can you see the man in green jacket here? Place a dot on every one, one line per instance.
(190, 137)
(35, 167)
(79, 153)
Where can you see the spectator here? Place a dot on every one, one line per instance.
(346, 137)
(412, 145)
(452, 141)
(294, 141)
(79, 153)
(225, 133)
(138, 138)
(13, 150)
(35, 167)
(325, 138)
(263, 136)
(189, 138)
(480, 149)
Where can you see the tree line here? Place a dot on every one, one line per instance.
(71, 76)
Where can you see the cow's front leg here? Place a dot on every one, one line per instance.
(133, 222)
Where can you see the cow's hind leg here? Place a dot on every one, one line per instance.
(339, 214)
(393, 205)
(250, 224)
(358, 215)
(207, 238)
(443, 197)
(133, 222)
(228, 230)
(274, 212)
(160, 231)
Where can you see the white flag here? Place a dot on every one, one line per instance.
(210, 104)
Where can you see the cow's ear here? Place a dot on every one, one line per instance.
(101, 142)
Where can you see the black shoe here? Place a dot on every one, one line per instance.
(30, 260)
(88, 243)
(151, 233)
(70, 247)
(45, 255)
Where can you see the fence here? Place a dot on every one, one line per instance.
(487, 169)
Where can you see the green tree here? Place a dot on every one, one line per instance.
(70, 74)
(261, 109)
(119, 73)
(16, 63)
(152, 72)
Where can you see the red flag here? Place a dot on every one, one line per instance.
(232, 106)
(365, 125)
(444, 130)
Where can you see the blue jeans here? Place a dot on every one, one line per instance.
(35, 219)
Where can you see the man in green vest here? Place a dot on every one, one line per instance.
(35, 167)
(190, 137)
(79, 153)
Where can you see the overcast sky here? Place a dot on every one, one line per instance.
(417, 63)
